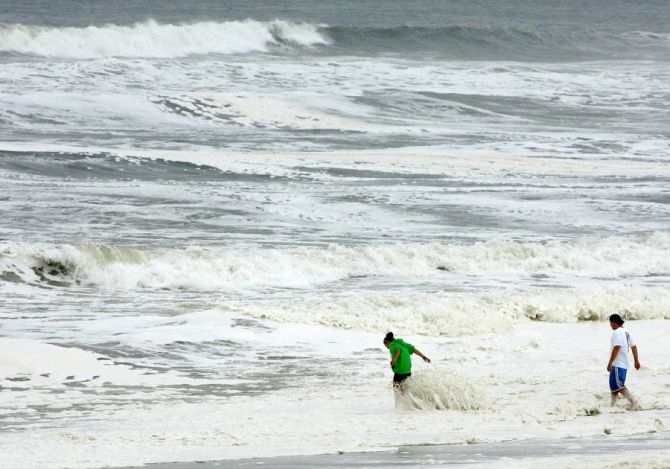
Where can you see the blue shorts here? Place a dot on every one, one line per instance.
(617, 379)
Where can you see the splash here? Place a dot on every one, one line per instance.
(439, 388)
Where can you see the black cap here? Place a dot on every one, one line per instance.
(388, 337)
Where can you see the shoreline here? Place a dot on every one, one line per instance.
(592, 452)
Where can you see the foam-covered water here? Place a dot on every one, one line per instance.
(211, 212)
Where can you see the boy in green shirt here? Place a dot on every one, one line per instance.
(401, 361)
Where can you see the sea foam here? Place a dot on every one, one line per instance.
(31, 364)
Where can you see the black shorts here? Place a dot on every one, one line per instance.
(400, 378)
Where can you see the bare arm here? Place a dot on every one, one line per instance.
(425, 358)
(615, 352)
(637, 361)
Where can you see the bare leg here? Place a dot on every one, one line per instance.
(396, 396)
(400, 387)
(401, 401)
(633, 402)
(614, 398)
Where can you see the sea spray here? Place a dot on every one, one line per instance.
(440, 388)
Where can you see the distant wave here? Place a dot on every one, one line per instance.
(445, 36)
(151, 39)
(504, 43)
(476, 42)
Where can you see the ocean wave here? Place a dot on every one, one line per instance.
(151, 39)
(471, 42)
(463, 314)
(215, 269)
(430, 37)
(657, 37)
(484, 42)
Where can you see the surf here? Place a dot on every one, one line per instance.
(151, 39)
(128, 267)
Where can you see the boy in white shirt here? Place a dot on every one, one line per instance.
(620, 342)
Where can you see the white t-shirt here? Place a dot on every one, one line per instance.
(622, 338)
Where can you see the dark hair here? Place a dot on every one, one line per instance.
(616, 319)
(388, 337)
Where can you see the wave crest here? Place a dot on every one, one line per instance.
(151, 39)
(211, 269)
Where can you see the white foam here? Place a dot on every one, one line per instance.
(33, 364)
(151, 39)
(471, 163)
(455, 315)
(614, 257)
(296, 112)
(542, 381)
(440, 388)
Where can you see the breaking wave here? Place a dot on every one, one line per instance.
(463, 314)
(586, 280)
(151, 39)
(211, 269)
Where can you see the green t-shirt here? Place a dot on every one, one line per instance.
(403, 364)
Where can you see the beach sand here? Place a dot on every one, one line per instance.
(598, 452)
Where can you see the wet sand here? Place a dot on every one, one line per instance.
(649, 450)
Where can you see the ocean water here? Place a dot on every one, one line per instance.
(213, 211)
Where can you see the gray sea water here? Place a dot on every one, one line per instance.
(173, 173)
